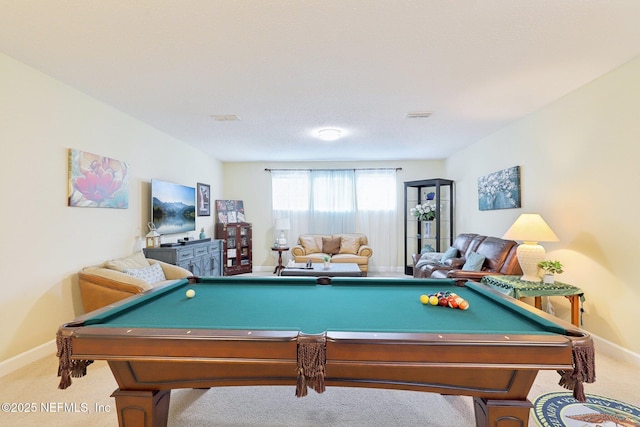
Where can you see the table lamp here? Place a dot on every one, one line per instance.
(282, 224)
(530, 229)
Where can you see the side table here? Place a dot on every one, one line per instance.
(279, 267)
(516, 288)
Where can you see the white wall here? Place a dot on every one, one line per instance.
(44, 242)
(252, 184)
(579, 161)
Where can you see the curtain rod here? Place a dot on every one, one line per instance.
(346, 169)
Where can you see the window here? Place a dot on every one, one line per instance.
(340, 201)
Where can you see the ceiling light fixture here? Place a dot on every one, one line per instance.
(329, 134)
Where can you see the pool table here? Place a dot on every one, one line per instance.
(303, 332)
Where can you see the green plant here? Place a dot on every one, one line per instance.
(326, 258)
(551, 267)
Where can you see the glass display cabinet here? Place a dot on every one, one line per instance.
(430, 235)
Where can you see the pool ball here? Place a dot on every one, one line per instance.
(424, 299)
(190, 293)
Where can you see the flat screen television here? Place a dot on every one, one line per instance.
(173, 207)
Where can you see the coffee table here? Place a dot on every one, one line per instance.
(346, 269)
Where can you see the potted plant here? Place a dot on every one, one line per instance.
(327, 261)
(550, 268)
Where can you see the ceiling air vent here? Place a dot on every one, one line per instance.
(225, 117)
(418, 114)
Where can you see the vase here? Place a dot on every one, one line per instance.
(327, 265)
(427, 229)
(548, 279)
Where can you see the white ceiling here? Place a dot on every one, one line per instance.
(288, 67)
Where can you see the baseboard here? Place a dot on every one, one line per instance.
(28, 357)
(615, 351)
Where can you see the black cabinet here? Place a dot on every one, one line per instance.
(435, 235)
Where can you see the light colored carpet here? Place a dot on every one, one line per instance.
(271, 406)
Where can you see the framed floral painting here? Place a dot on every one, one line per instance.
(97, 181)
(499, 190)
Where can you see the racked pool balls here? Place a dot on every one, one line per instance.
(445, 299)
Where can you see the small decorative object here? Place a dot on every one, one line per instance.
(427, 229)
(202, 235)
(327, 261)
(427, 248)
(153, 237)
(204, 199)
(499, 190)
(550, 268)
(430, 196)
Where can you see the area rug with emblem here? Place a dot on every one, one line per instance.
(560, 409)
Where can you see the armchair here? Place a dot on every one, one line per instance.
(116, 279)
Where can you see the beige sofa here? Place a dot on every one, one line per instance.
(346, 247)
(121, 278)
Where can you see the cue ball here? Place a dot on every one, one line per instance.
(191, 293)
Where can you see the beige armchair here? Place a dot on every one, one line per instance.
(121, 278)
(346, 247)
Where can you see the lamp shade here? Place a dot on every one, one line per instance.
(531, 229)
(283, 224)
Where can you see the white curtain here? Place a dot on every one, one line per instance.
(377, 215)
(333, 204)
(291, 193)
(340, 201)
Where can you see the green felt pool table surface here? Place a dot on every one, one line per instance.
(353, 332)
(300, 304)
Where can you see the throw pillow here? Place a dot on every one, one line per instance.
(331, 245)
(349, 244)
(132, 261)
(309, 243)
(449, 253)
(474, 262)
(151, 274)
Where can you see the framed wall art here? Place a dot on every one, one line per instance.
(204, 199)
(97, 181)
(499, 190)
(230, 211)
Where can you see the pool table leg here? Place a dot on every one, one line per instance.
(501, 413)
(143, 408)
